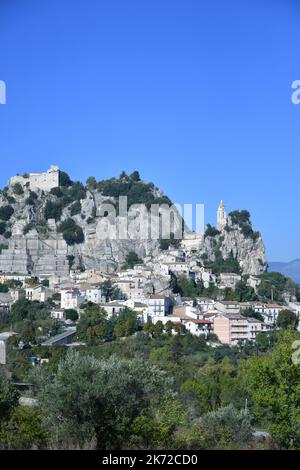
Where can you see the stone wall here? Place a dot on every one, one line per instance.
(43, 181)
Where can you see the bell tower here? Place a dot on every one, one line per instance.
(221, 216)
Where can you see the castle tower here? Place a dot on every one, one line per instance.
(221, 216)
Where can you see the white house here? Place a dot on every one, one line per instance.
(199, 327)
(205, 303)
(94, 295)
(71, 299)
(270, 312)
(37, 293)
(228, 307)
(113, 308)
(159, 305)
(229, 280)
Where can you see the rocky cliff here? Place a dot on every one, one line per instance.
(231, 242)
(48, 230)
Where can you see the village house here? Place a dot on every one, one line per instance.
(190, 317)
(91, 293)
(206, 276)
(113, 308)
(17, 294)
(231, 328)
(12, 277)
(37, 293)
(204, 303)
(5, 305)
(58, 314)
(229, 280)
(71, 299)
(138, 307)
(179, 269)
(132, 285)
(159, 305)
(94, 295)
(295, 307)
(228, 307)
(270, 312)
(199, 328)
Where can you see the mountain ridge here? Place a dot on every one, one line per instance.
(290, 268)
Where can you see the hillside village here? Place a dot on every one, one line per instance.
(174, 287)
(136, 343)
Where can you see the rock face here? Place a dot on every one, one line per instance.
(35, 245)
(249, 252)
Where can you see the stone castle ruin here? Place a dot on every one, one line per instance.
(43, 181)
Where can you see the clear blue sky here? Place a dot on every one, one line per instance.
(194, 94)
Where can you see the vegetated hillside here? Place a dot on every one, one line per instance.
(291, 269)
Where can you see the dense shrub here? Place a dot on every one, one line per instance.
(27, 228)
(211, 231)
(75, 208)
(2, 228)
(131, 260)
(242, 219)
(137, 192)
(10, 199)
(6, 212)
(31, 200)
(17, 189)
(56, 192)
(64, 179)
(53, 210)
(72, 233)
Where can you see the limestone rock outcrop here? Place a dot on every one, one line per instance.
(32, 243)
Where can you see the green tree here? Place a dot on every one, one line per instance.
(18, 189)
(75, 208)
(64, 179)
(71, 314)
(53, 210)
(273, 285)
(212, 387)
(24, 430)
(158, 430)
(287, 319)
(135, 176)
(72, 233)
(110, 291)
(93, 325)
(8, 397)
(131, 260)
(91, 183)
(6, 212)
(3, 288)
(56, 192)
(88, 399)
(226, 428)
(158, 329)
(211, 231)
(2, 228)
(126, 323)
(272, 382)
(250, 313)
(184, 286)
